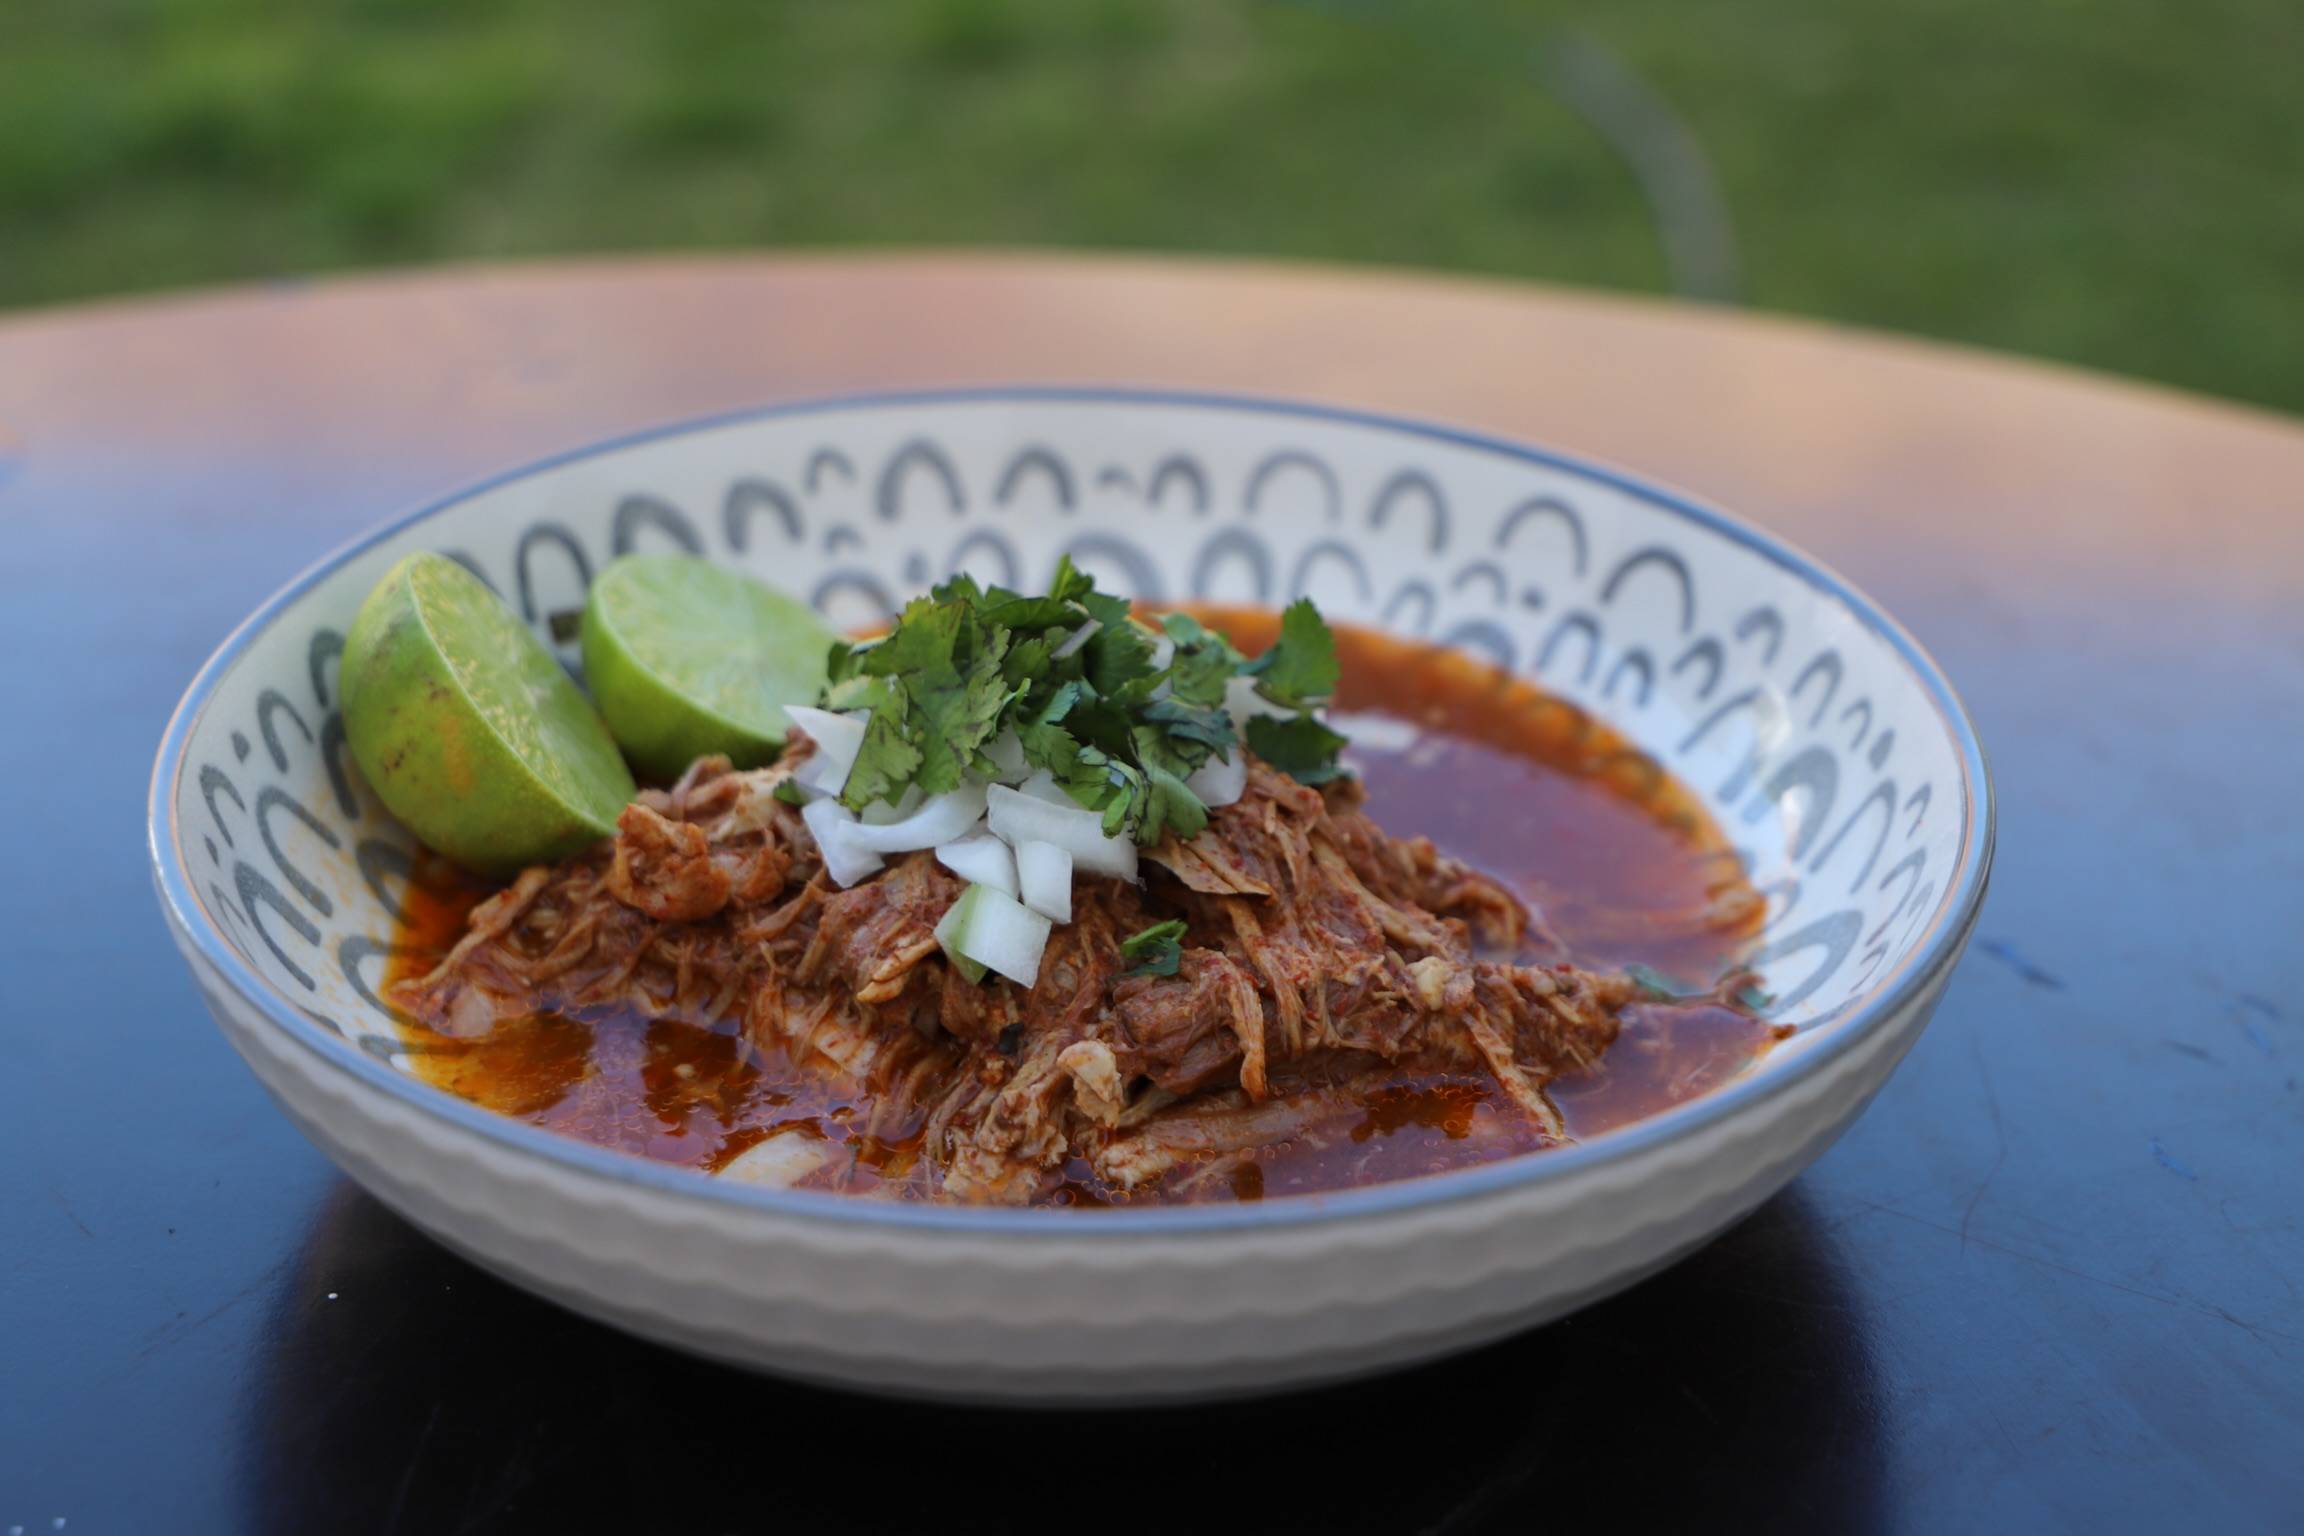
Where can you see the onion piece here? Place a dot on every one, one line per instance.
(982, 859)
(1007, 754)
(1044, 872)
(834, 826)
(948, 939)
(779, 1162)
(1218, 782)
(997, 932)
(1244, 703)
(881, 813)
(940, 819)
(1020, 818)
(838, 739)
(1078, 638)
(1042, 785)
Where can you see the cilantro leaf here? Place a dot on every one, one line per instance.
(1070, 584)
(885, 762)
(1047, 744)
(1298, 746)
(1028, 660)
(1103, 607)
(1122, 797)
(1301, 667)
(1184, 629)
(858, 692)
(1193, 731)
(919, 649)
(959, 588)
(1155, 951)
(1170, 808)
(1101, 723)
(1036, 613)
(840, 662)
(949, 724)
(1197, 674)
(1119, 656)
(1166, 805)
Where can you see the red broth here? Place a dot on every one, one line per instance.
(1622, 861)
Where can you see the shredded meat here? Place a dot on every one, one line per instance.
(664, 868)
(1323, 960)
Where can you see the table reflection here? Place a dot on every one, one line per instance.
(1731, 1387)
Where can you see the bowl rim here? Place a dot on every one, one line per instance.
(1906, 985)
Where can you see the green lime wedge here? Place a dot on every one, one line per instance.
(689, 658)
(468, 729)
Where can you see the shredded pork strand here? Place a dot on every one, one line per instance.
(1323, 960)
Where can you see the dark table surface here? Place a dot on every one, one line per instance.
(2052, 1281)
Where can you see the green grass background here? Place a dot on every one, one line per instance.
(2118, 183)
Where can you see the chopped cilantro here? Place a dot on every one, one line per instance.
(1190, 725)
(919, 649)
(1300, 669)
(1119, 658)
(1120, 727)
(1070, 584)
(1047, 744)
(1187, 630)
(960, 718)
(1104, 608)
(1655, 985)
(1157, 951)
(1034, 613)
(1203, 663)
(1166, 804)
(1297, 745)
(885, 762)
(1028, 660)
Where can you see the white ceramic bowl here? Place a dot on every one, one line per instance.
(1825, 740)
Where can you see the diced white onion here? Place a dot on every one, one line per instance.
(997, 931)
(779, 1162)
(1218, 782)
(940, 819)
(834, 827)
(1376, 733)
(1042, 785)
(1163, 652)
(838, 738)
(1244, 703)
(1019, 818)
(1044, 874)
(881, 813)
(983, 859)
(948, 936)
(1007, 753)
(1078, 638)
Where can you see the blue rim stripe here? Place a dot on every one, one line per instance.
(1949, 925)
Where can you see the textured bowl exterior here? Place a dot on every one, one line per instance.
(1120, 1306)
(1066, 1316)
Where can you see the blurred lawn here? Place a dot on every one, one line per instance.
(2114, 182)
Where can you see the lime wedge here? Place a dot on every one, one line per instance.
(466, 727)
(688, 658)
